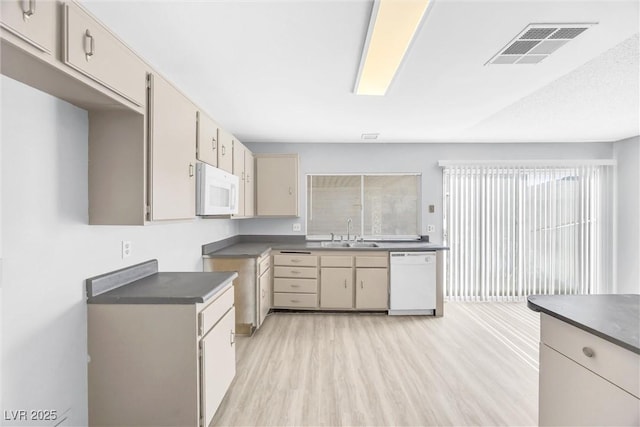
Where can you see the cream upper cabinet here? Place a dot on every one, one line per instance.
(277, 185)
(173, 134)
(336, 287)
(238, 170)
(32, 20)
(207, 144)
(372, 288)
(225, 150)
(249, 184)
(95, 52)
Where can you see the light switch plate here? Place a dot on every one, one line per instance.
(297, 227)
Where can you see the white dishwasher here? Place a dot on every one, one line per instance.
(413, 283)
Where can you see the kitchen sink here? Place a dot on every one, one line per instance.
(348, 245)
(363, 245)
(335, 245)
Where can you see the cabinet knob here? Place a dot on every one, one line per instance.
(588, 351)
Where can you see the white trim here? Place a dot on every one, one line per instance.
(541, 162)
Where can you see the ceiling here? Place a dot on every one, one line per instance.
(284, 71)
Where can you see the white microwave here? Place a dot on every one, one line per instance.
(216, 191)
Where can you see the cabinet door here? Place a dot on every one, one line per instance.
(265, 294)
(238, 170)
(573, 395)
(249, 184)
(217, 365)
(225, 150)
(372, 288)
(172, 157)
(91, 49)
(31, 20)
(336, 287)
(207, 148)
(277, 185)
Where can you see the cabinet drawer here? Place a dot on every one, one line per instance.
(34, 22)
(302, 272)
(372, 261)
(91, 49)
(263, 265)
(298, 260)
(295, 300)
(336, 261)
(610, 361)
(307, 286)
(210, 315)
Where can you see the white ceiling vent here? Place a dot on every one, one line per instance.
(536, 42)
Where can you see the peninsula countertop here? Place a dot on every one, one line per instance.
(143, 284)
(615, 318)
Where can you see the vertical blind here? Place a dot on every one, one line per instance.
(516, 230)
(379, 206)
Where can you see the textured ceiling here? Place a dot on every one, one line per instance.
(283, 71)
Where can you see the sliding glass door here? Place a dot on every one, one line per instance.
(517, 230)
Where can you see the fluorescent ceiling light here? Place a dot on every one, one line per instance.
(392, 27)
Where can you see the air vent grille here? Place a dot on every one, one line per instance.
(536, 42)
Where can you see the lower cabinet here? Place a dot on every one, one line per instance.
(336, 287)
(295, 280)
(264, 289)
(252, 283)
(160, 364)
(217, 350)
(584, 379)
(372, 288)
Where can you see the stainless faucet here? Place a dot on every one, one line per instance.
(348, 228)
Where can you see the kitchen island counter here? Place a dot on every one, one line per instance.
(610, 317)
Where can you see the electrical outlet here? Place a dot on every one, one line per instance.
(297, 226)
(126, 248)
(431, 228)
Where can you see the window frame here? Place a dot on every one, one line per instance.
(362, 175)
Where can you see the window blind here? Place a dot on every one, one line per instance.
(379, 206)
(516, 230)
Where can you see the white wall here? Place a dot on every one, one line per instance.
(422, 158)
(627, 153)
(49, 250)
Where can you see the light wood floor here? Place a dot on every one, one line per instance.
(478, 365)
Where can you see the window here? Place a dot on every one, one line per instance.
(516, 230)
(379, 206)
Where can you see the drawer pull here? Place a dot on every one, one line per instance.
(295, 260)
(295, 301)
(295, 286)
(92, 45)
(345, 283)
(587, 351)
(29, 13)
(361, 284)
(295, 272)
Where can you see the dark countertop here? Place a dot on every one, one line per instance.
(143, 284)
(615, 318)
(255, 250)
